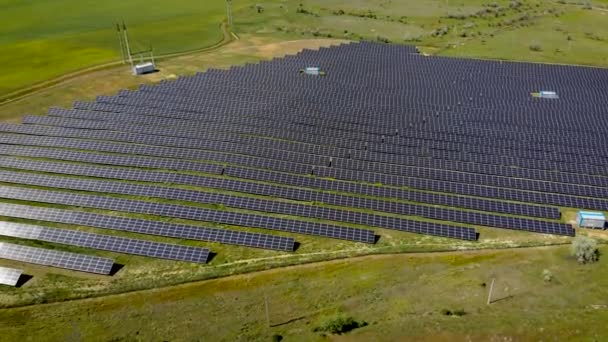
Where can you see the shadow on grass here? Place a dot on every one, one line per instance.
(501, 299)
(115, 268)
(211, 256)
(24, 278)
(288, 321)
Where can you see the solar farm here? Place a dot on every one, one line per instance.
(262, 157)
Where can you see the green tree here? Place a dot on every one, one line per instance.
(585, 249)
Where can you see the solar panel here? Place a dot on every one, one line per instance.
(203, 214)
(190, 213)
(9, 276)
(278, 191)
(46, 257)
(105, 242)
(455, 141)
(149, 227)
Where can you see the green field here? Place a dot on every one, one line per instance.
(45, 39)
(69, 35)
(401, 297)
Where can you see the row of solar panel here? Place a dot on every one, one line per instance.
(9, 276)
(105, 242)
(218, 106)
(197, 143)
(316, 95)
(423, 184)
(419, 183)
(157, 150)
(214, 91)
(47, 257)
(490, 160)
(164, 105)
(423, 123)
(206, 214)
(313, 97)
(291, 208)
(262, 67)
(251, 110)
(279, 191)
(190, 213)
(465, 167)
(148, 227)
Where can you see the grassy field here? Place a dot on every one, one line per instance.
(46, 39)
(70, 35)
(248, 49)
(503, 29)
(400, 297)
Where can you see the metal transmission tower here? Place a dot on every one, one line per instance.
(124, 28)
(122, 47)
(229, 11)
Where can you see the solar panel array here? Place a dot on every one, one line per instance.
(147, 227)
(387, 139)
(105, 242)
(9, 276)
(47, 257)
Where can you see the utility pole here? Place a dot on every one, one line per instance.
(152, 55)
(124, 27)
(490, 293)
(122, 48)
(266, 306)
(229, 11)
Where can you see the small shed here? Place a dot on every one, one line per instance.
(315, 71)
(546, 94)
(144, 68)
(591, 219)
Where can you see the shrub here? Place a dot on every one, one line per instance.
(277, 338)
(536, 47)
(547, 276)
(383, 39)
(458, 313)
(585, 250)
(338, 325)
(440, 32)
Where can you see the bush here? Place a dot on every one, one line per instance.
(277, 338)
(585, 250)
(338, 325)
(536, 47)
(383, 39)
(547, 276)
(458, 313)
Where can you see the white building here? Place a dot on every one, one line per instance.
(590, 219)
